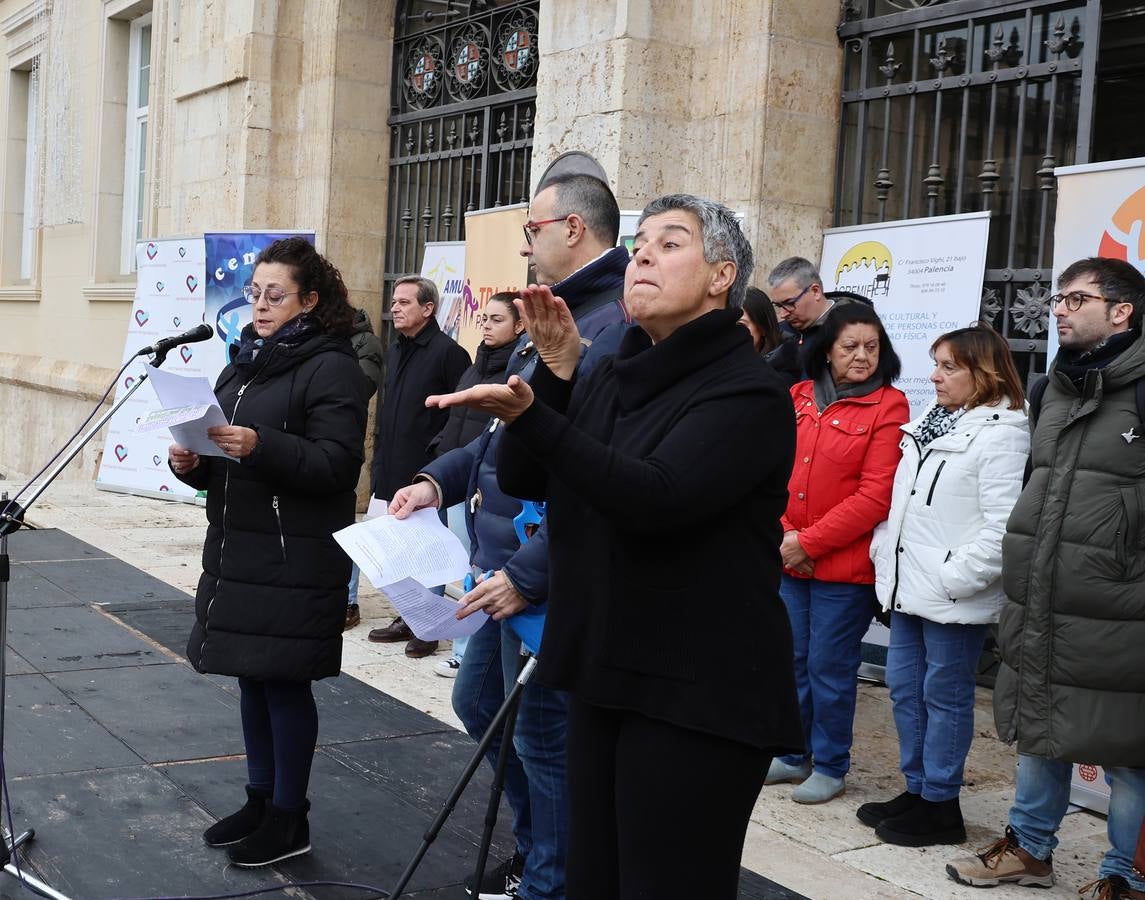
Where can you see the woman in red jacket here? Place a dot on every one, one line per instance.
(847, 419)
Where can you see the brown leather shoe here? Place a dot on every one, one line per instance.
(417, 648)
(396, 631)
(353, 617)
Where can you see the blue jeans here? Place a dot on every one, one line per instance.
(828, 621)
(930, 673)
(352, 588)
(1042, 797)
(535, 780)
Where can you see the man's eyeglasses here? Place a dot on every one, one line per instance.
(1074, 299)
(270, 295)
(531, 228)
(790, 304)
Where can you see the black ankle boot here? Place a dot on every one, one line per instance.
(874, 813)
(238, 825)
(925, 824)
(282, 834)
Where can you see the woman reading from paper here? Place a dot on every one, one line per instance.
(665, 469)
(271, 601)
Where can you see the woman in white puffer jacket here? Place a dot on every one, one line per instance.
(938, 568)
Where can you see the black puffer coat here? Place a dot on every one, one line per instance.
(465, 424)
(271, 601)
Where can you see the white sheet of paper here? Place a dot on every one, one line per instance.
(377, 508)
(158, 419)
(430, 617)
(181, 392)
(389, 550)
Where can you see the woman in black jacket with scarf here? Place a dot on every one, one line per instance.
(666, 466)
(271, 601)
(500, 328)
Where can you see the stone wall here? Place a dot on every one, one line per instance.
(737, 100)
(262, 114)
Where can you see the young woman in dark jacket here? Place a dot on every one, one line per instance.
(272, 597)
(666, 467)
(500, 329)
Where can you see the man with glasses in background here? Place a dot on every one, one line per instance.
(1071, 686)
(801, 305)
(570, 242)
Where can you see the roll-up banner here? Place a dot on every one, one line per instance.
(1100, 212)
(924, 277)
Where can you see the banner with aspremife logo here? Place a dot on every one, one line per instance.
(924, 277)
(168, 301)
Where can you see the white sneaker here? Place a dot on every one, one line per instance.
(447, 668)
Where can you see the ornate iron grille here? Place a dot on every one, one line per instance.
(461, 123)
(968, 105)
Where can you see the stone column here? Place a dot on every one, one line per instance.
(737, 100)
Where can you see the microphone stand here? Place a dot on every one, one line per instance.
(12, 520)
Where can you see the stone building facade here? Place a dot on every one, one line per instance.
(157, 118)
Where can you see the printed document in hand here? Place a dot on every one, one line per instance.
(430, 617)
(189, 408)
(388, 550)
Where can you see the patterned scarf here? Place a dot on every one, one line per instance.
(936, 423)
(291, 334)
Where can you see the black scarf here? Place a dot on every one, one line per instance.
(827, 392)
(291, 334)
(1075, 363)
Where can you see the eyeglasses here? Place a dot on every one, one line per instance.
(1074, 299)
(790, 304)
(272, 297)
(531, 228)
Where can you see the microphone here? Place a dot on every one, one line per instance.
(199, 333)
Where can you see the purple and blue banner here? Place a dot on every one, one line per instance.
(230, 257)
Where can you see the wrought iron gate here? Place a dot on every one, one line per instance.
(969, 105)
(463, 101)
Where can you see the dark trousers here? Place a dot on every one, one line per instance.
(656, 812)
(280, 729)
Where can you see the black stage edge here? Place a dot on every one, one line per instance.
(121, 755)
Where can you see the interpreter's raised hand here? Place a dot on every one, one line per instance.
(793, 554)
(234, 440)
(551, 328)
(503, 401)
(411, 498)
(496, 595)
(181, 459)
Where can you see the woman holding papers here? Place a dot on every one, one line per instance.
(271, 601)
(667, 465)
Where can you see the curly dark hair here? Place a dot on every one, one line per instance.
(314, 272)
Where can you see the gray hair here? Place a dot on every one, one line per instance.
(802, 270)
(426, 289)
(723, 239)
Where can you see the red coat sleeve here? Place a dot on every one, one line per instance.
(859, 513)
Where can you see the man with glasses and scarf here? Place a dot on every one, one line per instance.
(1071, 687)
(570, 242)
(801, 305)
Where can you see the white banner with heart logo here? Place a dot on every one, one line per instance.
(168, 301)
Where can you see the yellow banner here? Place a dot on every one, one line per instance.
(493, 263)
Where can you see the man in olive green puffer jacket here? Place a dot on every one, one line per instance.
(1071, 687)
